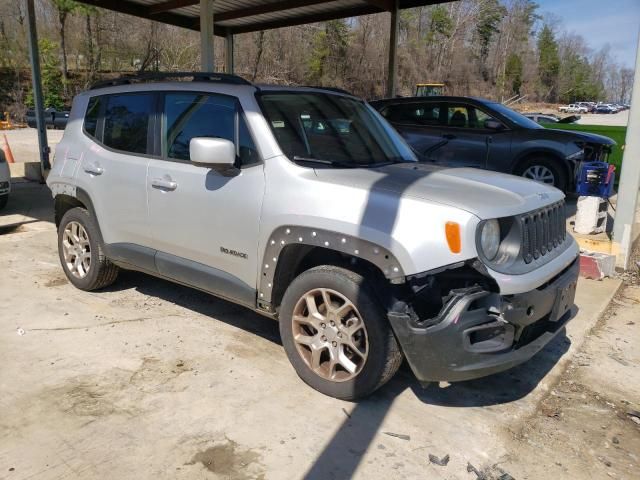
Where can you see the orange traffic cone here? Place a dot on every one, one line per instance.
(7, 150)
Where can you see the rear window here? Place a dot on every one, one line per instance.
(126, 122)
(427, 114)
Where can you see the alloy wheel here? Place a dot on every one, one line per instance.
(330, 335)
(76, 249)
(540, 173)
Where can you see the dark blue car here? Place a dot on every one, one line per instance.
(473, 132)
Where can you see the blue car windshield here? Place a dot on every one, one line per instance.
(332, 129)
(515, 117)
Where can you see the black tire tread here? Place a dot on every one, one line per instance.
(107, 271)
(394, 356)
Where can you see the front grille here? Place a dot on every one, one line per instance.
(542, 231)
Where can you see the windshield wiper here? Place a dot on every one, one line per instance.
(335, 163)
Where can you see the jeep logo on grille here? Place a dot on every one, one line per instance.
(543, 196)
(235, 253)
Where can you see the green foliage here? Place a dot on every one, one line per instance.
(548, 61)
(513, 72)
(329, 50)
(52, 85)
(580, 82)
(441, 24)
(618, 134)
(65, 7)
(489, 18)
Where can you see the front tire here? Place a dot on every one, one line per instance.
(336, 335)
(81, 252)
(544, 170)
(3, 201)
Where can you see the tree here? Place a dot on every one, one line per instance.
(64, 8)
(52, 88)
(548, 62)
(329, 52)
(513, 72)
(489, 17)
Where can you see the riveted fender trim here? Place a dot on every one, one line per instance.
(62, 189)
(291, 234)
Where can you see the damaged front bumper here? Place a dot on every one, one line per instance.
(478, 333)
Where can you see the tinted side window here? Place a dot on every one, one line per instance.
(92, 115)
(466, 116)
(190, 115)
(427, 114)
(126, 122)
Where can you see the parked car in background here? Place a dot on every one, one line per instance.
(312, 211)
(54, 119)
(605, 109)
(473, 132)
(5, 181)
(573, 108)
(543, 118)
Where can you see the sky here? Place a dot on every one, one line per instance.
(616, 22)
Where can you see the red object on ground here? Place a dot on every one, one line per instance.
(7, 150)
(597, 265)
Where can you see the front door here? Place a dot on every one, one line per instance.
(206, 225)
(466, 140)
(420, 124)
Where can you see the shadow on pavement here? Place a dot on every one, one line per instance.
(341, 457)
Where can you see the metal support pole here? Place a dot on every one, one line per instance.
(625, 217)
(34, 53)
(228, 61)
(207, 56)
(393, 48)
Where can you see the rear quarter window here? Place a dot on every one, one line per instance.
(92, 116)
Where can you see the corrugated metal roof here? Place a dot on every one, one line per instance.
(239, 16)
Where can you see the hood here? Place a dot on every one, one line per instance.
(581, 136)
(480, 192)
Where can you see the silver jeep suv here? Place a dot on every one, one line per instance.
(304, 205)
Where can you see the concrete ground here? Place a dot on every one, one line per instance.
(620, 119)
(24, 143)
(148, 379)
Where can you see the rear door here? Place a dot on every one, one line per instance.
(113, 165)
(420, 124)
(466, 139)
(206, 225)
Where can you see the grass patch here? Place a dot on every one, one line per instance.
(616, 133)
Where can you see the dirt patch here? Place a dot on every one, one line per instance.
(230, 461)
(155, 375)
(57, 281)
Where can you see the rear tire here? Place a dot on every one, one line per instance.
(544, 170)
(358, 352)
(81, 252)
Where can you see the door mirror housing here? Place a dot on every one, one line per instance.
(215, 153)
(493, 125)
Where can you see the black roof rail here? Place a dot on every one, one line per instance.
(331, 89)
(159, 76)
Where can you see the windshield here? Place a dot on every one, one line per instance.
(515, 117)
(332, 130)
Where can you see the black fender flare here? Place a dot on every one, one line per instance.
(317, 237)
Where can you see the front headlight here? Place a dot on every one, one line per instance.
(490, 239)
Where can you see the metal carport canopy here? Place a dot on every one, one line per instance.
(242, 16)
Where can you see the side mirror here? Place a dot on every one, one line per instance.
(493, 125)
(215, 153)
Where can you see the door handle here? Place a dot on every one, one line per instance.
(164, 184)
(449, 136)
(93, 169)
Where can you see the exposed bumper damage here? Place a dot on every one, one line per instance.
(475, 331)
